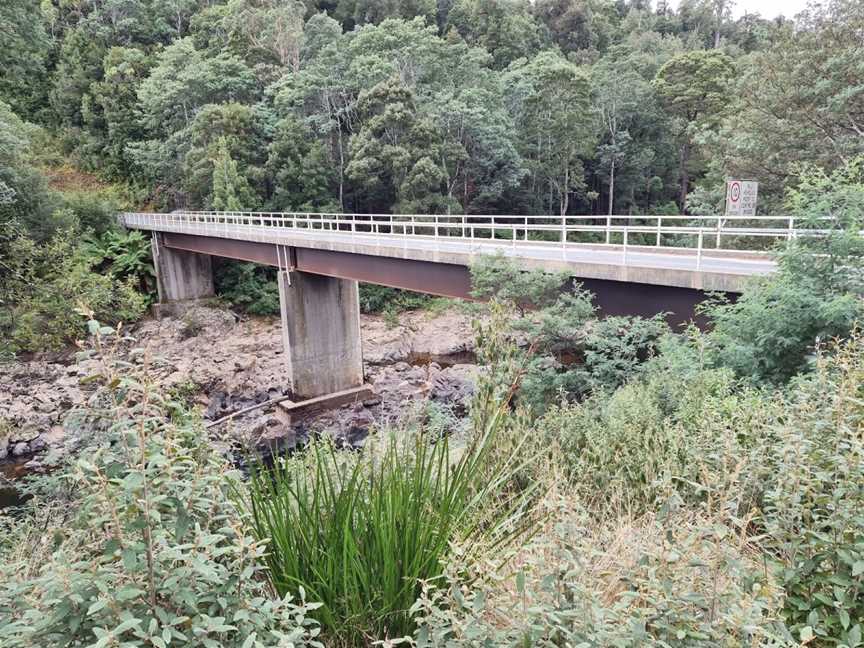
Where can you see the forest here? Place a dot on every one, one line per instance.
(614, 482)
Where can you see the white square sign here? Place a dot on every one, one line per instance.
(741, 198)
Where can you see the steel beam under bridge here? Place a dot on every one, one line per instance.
(444, 279)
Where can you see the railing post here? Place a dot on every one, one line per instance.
(719, 228)
(790, 235)
(699, 251)
(659, 227)
(464, 216)
(563, 231)
(624, 262)
(526, 228)
(608, 229)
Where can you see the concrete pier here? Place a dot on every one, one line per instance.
(320, 333)
(181, 275)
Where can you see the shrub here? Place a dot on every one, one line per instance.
(149, 551)
(125, 256)
(577, 356)
(678, 580)
(814, 506)
(249, 287)
(771, 332)
(381, 299)
(359, 533)
(499, 277)
(48, 283)
(686, 432)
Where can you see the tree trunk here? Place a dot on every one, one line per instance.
(611, 185)
(685, 177)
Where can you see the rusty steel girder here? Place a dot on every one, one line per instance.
(444, 279)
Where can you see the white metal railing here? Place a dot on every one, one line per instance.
(697, 235)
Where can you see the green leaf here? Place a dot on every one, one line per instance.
(95, 607)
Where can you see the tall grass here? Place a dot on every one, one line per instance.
(359, 532)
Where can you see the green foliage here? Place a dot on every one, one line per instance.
(551, 103)
(359, 533)
(502, 278)
(377, 299)
(770, 333)
(250, 287)
(646, 442)
(47, 283)
(571, 354)
(231, 192)
(126, 256)
(24, 46)
(142, 545)
(814, 505)
(673, 581)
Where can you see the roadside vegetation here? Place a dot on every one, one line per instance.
(615, 482)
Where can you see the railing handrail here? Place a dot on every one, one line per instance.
(651, 231)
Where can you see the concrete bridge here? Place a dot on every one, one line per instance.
(634, 265)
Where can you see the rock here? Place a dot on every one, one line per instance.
(3, 452)
(20, 449)
(372, 402)
(401, 366)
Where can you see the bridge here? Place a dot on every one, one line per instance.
(639, 265)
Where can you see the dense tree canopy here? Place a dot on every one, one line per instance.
(554, 106)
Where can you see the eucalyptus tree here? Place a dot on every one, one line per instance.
(799, 101)
(505, 28)
(620, 95)
(694, 87)
(550, 99)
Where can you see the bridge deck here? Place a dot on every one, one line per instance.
(722, 270)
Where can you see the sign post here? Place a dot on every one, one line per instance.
(741, 197)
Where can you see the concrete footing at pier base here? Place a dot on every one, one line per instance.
(181, 275)
(320, 333)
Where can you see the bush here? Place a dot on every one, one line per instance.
(814, 506)
(684, 432)
(679, 580)
(249, 287)
(359, 533)
(149, 551)
(770, 333)
(48, 283)
(578, 356)
(381, 299)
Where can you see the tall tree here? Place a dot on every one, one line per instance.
(24, 47)
(231, 191)
(619, 96)
(550, 99)
(695, 88)
(393, 154)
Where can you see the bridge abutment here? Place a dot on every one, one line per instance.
(320, 333)
(181, 275)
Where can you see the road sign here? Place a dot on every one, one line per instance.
(741, 198)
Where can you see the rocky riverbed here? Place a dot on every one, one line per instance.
(221, 364)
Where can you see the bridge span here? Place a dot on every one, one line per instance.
(637, 265)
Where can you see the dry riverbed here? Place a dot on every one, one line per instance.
(221, 365)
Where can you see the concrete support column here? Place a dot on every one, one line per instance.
(320, 333)
(181, 275)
